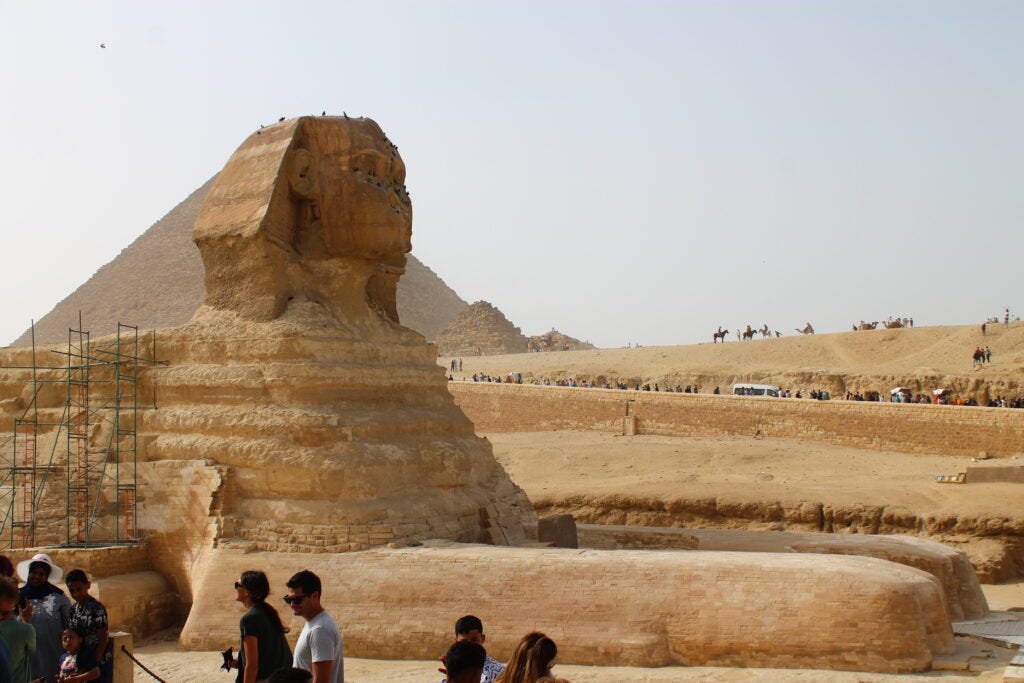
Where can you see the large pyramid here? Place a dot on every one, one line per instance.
(157, 282)
(480, 330)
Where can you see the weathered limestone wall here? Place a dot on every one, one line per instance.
(951, 567)
(640, 608)
(954, 430)
(98, 563)
(180, 516)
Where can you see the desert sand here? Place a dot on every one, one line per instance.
(554, 467)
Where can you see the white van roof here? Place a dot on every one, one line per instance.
(740, 385)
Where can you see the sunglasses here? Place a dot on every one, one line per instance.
(294, 600)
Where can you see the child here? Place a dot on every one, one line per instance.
(89, 618)
(19, 636)
(78, 663)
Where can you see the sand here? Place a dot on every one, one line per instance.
(553, 466)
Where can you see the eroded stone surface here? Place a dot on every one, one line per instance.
(950, 566)
(649, 608)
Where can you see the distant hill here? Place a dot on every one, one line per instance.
(157, 281)
(480, 330)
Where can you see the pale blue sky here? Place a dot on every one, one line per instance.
(625, 171)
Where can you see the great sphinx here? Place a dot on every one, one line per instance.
(334, 419)
(298, 425)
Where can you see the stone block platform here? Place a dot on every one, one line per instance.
(631, 608)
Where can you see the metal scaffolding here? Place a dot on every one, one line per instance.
(98, 428)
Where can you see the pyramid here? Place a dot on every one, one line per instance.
(558, 341)
(157, 282)
(480, 330)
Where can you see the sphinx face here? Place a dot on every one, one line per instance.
(314, 190)
(365, 211)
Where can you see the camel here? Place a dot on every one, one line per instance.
(893, 324)
(807, 330)
(715, 336)
(866, 326)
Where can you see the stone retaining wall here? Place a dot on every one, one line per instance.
(954, 430)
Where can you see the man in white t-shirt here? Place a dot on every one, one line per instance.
(319, 647)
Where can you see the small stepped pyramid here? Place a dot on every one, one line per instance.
(480, 330)
(557, 341)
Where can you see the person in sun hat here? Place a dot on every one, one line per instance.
(48, 611)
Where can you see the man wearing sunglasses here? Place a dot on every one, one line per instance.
(319, 647)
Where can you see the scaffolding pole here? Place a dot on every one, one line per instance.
(77, 430)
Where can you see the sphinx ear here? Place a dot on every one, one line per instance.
(303, 175)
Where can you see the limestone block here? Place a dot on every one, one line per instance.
(636, 608)
(141, 603)
(951, 567)
(558, 530)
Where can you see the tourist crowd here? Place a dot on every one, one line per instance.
(937, 398)
(46, 637)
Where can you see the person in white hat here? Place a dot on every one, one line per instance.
(48, 611)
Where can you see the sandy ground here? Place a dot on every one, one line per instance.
(556, 465)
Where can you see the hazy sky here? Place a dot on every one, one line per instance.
(624, 171)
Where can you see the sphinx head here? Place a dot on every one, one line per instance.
(314, 207)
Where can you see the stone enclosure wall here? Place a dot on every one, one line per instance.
(954, 430)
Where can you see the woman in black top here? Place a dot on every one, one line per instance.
(263, 649)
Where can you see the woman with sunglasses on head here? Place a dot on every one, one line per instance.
(264, 648)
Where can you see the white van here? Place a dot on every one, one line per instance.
(756, 390)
